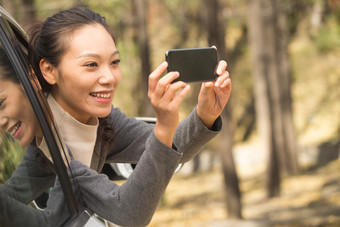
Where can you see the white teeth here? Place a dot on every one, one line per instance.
(101, 95)
(15, 129)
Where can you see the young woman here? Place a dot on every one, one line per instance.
(76, 60)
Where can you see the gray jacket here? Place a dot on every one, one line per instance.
(120, 139)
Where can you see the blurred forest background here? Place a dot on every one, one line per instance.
(276, 161)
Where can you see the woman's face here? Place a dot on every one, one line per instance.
(88, 74)
(17, 117)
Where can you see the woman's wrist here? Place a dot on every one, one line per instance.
(207, 120)
(164, 135)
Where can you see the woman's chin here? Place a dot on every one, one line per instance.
(24, 142)
(103, 113)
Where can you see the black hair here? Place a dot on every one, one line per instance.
(6, 69)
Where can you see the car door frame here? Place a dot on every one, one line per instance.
(10, 31)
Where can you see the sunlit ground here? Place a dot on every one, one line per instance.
(311, 198)
(193, 200)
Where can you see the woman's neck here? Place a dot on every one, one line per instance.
(82, 118)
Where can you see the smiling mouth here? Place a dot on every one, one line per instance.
(101, 95)
(14, 129)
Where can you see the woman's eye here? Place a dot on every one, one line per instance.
(91, 64)
(1, 102)
(116, 62)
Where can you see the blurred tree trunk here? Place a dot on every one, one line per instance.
(78, 3)
(8, 5)
(216, 35)
(22, 10)
(318, 12)
(268, 37)
(195, 90)
(140, 9)
(28, 13)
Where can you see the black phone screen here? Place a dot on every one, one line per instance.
(194, 64)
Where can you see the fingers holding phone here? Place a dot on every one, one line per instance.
(201, 64)
(163, 88)
(214, 96)
(222, 74)
(166, 98)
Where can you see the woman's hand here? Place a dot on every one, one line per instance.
(165, 98)
(214, 96)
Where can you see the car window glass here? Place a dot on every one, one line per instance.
(26, 175)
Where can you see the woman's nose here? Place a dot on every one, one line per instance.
(107, 76)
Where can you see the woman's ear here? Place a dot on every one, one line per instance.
(48, 71)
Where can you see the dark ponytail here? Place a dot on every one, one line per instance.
(35, 58)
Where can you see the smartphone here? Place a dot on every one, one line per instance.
(193, 64)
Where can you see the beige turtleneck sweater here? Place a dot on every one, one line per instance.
(79, 138)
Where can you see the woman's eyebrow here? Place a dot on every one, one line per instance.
(115, 53)
(86, 55)
(94, 55)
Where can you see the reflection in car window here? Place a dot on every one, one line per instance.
(10, 155)
(13, 138)
(11, 151)
(25, 176)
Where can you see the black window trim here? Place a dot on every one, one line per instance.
(65, 183)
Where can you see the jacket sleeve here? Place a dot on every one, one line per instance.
(15, 213)
(130, 136)
(31, 178)
(191, 135)
(34, 175)
(134, 202)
